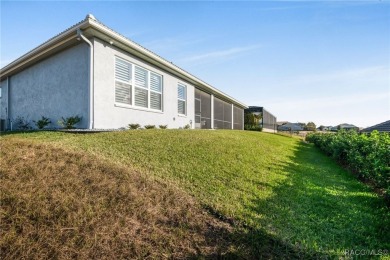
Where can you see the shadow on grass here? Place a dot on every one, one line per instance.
(318, 210)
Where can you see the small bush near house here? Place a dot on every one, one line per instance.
(69, 122)
(368, 155)
(187, 126)
(42, 123)
(21, 123)
(163, 126)
(134, 126)
(252, 127)
(150, 127)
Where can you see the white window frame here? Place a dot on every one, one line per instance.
(130, 83)
(180, 99)
(132, 86)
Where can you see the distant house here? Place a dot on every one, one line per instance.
(279, 123)
(382, 127)
(294, 127)
(324, 128)
(345, 127)
(267, 121)
(92, 71)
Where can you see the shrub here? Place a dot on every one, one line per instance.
(69, 122)
(150, 126)
(366, 154)
(42, 123)
(253, 127)
(163, 126)
(21, 123)
(187, 126)
(134, 126)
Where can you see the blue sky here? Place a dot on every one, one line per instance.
(321, 61)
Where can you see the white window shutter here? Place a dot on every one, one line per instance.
(122, 70)
(181, 107)
(155, 100)
(181, 99)
(155, 82)
(141, 77)
(146, 90)
(122, 93)
(141, 97)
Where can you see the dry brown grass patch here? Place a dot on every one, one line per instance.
(57, 203)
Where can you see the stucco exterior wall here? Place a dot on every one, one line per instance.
(3, 99)
(55, 87)
(107, 114)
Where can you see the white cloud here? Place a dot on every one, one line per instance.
(220, 55)
(172, 43)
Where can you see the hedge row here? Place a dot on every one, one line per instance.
(366, 154)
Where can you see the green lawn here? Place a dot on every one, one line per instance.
(284, 196)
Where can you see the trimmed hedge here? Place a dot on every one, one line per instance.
(366, 154)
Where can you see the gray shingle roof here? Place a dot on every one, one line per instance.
(382, 127)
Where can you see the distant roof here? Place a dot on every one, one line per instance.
(91, 27)
(382, 127)
(346, 126)
(290, 126)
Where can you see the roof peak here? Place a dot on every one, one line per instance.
(90, 16)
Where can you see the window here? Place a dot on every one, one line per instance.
(123, 75)
(181, 99)
(155, 91)
(141, 87)
(147, 86)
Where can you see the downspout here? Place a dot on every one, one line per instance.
(8, 106)
(91, 85)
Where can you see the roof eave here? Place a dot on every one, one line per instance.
(42, 50)
(70, 34)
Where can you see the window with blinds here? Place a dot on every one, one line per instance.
(155, 91)
(141, 87)
(146, 86)
(123, 75)
(181, 99)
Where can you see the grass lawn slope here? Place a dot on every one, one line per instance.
(282, 197)
(61, 204)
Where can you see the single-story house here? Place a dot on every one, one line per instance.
(92, 71)
(294, 127)
(324, 128)
(382, 127)
(267, 120)
(344, 126)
